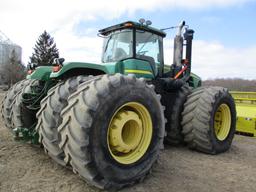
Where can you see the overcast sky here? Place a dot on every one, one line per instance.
(225, 30)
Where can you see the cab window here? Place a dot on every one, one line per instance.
(147, 44)
(118, 46)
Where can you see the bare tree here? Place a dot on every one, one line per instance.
(13, 71)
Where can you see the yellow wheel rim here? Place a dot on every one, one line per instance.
(222, 122)
(129, 133)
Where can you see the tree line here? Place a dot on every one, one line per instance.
(234, 84)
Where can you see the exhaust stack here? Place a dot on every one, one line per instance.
(178, 50)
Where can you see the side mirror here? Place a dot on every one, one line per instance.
(142, 21)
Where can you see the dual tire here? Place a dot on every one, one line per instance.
(15, 114)
(108, 128)
(209, 120)
(9, 100)
(23, 116)
(204, 119)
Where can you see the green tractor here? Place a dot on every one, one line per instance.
(108, 121)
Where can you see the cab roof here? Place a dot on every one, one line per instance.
(131, 24)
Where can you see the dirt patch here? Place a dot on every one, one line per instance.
(27, 168)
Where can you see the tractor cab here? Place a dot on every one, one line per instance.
(135, 43)
(136, 48)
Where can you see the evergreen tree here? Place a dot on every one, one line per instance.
(45, 50)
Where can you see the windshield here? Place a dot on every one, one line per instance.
(117, 46)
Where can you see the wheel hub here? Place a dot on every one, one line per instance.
(222, 122)
(129, 133)
(126, 131)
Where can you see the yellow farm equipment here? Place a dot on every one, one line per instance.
(246, 112)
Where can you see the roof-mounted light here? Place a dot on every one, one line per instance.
(142, 21)
(148, 22)
(128, 24)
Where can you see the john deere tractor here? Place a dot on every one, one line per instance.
(109, 121)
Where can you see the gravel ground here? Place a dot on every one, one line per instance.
(24, 167)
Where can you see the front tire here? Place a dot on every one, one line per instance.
(209, 120)
(99, 128)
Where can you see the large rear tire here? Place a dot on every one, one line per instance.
(49, 117)
(209, 120)
(173, 115)
(8, 101)
(112, 130)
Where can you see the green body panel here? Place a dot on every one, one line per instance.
(246, 112)
(41, 73)
(129, 66)
(137, 67)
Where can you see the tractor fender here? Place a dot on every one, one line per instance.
(79, 68)
(41, 73)
(194, 81)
